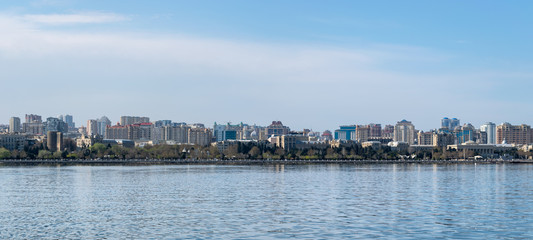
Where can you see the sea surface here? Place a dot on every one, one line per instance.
(386, 201)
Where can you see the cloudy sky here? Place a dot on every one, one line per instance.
(309, 64)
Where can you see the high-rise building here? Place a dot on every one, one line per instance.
(450, 124)
(102, 124)
(92, 127)
(375, 130)
(514, 134)
(179, 134)
(465, 133)
(70, 121)
(443, 139)
(454, 122)
(490, 129)
(362, 133)
(141, 131)
(14, 125)
(445, 123)
(404, 131)
(199, 136)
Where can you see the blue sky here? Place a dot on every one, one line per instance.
(310, 64)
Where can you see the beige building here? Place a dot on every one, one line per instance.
(404, 131)
(362, 133)
(443, 139)
(200, 136)
(425, 138)
(514, 134)
(179, 134)
(92, 127)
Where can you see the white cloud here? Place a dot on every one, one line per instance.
(208, 79)
(78, 18)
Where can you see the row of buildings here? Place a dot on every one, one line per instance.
(450, 132)
(140, 131)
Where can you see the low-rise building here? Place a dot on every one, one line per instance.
(13, 141)
(485, 150)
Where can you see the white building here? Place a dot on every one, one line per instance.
(490, 129)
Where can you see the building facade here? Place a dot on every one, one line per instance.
(128, 120)
(14, 125)
(404, 131)
(513, 134)
(345, 132)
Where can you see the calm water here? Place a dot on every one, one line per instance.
(263, 202)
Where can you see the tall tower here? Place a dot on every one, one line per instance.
(490, 129)
(14, 125)
(103, 122)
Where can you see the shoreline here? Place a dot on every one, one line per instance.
(89, 162)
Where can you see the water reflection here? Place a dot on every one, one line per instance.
(274, 201)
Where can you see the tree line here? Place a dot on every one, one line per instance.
(235, 151)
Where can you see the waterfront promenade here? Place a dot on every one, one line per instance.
(241, 161)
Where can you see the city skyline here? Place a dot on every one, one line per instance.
(315, 65)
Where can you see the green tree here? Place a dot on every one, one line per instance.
(4, 153)
(44, 154)
(254, 152)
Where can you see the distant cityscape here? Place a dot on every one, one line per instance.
(134, 131)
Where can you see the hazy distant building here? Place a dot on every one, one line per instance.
(102, 124)
(33, 128)
(32, 118)
(490, 129)
(128, 120)
(55, 124)
(14, 125)
(70, 121)
(404, 131)
(514, 134)
(162, 123)
(450, 124)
